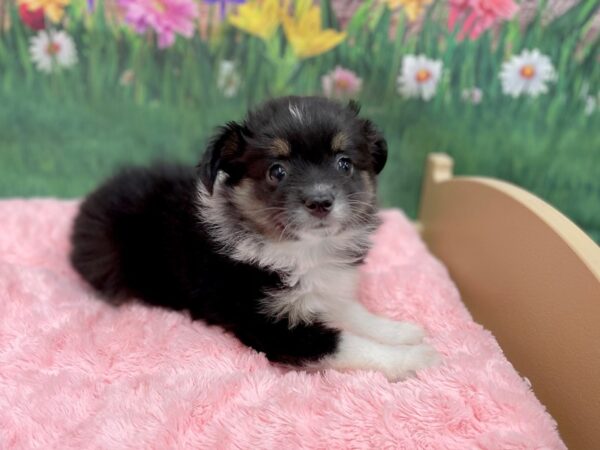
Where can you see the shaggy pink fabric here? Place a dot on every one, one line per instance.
(77, 373)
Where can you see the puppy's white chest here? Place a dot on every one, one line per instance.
(318, 270)
(317, 274)
(328, 282)
(314, 291)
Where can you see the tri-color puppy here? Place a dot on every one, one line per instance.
(264, 238)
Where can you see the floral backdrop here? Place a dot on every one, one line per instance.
(509, 88)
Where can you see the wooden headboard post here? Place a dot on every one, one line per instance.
(532, 277)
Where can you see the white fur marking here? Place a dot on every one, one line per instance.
(317, 289)
(295, 112)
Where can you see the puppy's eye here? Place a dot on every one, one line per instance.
(276, 173)
(345, 165)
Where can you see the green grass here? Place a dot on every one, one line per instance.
(61, 134)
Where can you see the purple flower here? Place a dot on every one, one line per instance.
(165, 17)
(91, 5)
(223, 4)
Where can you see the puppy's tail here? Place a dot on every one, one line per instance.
(96, 254)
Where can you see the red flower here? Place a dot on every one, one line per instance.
(34, 19)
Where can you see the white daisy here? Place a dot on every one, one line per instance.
(419, 76)
(228, 79)
(51, 50)
(527, 74)
(472, 95)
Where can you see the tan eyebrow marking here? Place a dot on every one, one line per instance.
(280, 148)
(339, 141)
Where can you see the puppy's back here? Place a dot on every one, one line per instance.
(123, 228)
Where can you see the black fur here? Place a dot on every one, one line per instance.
(140, 235)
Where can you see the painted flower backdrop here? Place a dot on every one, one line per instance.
(508, 87)
(293, 31)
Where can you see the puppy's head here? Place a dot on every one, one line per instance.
(296, 167)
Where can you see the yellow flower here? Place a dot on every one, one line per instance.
(258, 17)
(413, 8)
(53, 9)
(305, 34)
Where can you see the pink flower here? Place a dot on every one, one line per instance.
(341, 83)
(166, 17)
(479, 15)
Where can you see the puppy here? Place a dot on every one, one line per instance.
(265, 238)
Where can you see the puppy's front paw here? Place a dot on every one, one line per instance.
(395, 362)
(397, 333)
(404, 361)
(420, 357)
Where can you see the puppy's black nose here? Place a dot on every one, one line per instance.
(319, 205)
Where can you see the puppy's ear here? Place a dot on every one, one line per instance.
(377, 144)
(354, 107)
(223, 147)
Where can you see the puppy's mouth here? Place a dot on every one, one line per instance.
(296, 226)
(308, 225)
(322, 227)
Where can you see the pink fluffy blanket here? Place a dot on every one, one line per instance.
(78, 373)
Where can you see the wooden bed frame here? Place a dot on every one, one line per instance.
(530, 276)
